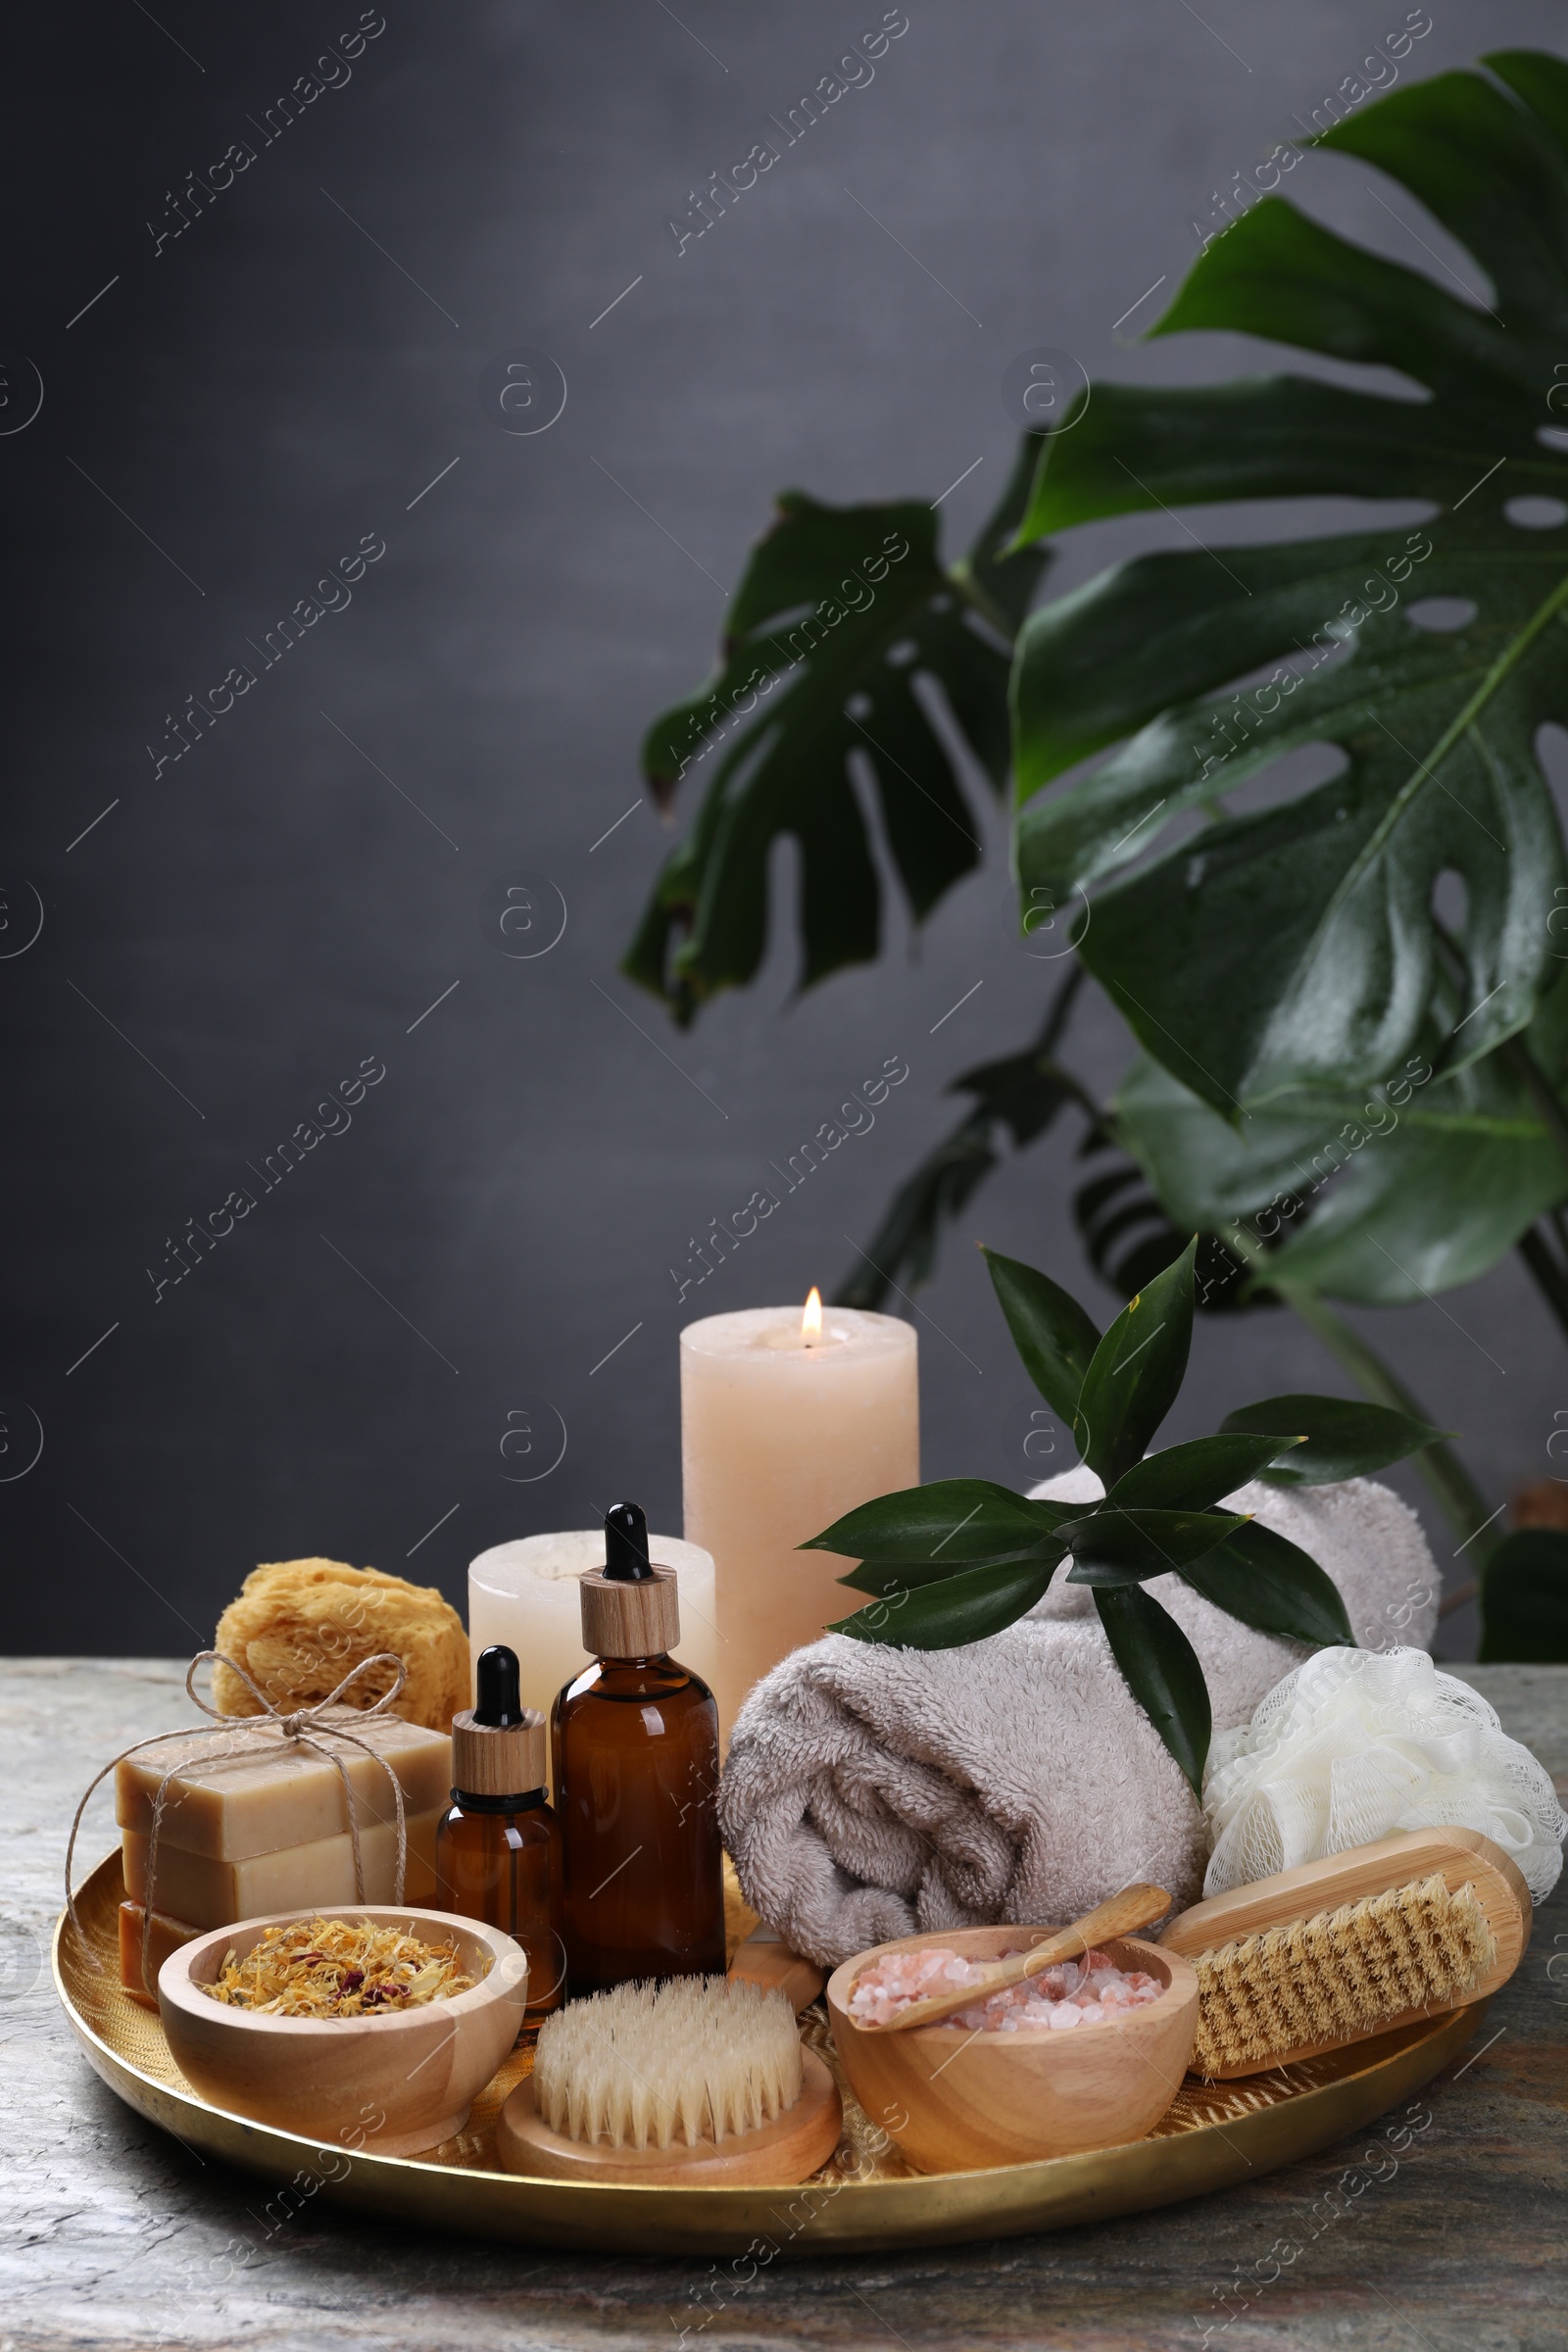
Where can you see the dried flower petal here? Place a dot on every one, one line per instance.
(335, 1967)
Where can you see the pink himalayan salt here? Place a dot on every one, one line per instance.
(1092, 1991)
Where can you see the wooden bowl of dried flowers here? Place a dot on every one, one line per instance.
(374, 2027)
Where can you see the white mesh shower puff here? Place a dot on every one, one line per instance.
(1357, 1744)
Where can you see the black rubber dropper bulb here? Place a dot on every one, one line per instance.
(626, 1560)
(499, 1705)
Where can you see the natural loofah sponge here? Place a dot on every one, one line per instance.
(298, 1625)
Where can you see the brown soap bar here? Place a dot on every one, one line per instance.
(166, 1936)
(278, 1793)
(211, 1893)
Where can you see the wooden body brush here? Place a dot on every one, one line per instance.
(1355, 1944)
(699, 2079)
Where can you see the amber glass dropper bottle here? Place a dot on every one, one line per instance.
(498, 1848)
(636, 1754)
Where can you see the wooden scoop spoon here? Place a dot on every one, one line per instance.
(1133, 1907)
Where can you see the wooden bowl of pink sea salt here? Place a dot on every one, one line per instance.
(1089, 2054)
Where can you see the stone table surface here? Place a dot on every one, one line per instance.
(112, 2235)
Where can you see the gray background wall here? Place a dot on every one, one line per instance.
(245, 926)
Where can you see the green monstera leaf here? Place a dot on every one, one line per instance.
(841, 612)
(1385, 1196)
(1291, 946)
(1460, 1181)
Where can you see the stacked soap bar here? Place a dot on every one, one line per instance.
(268, 1830)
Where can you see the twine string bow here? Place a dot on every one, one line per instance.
(259, 1734)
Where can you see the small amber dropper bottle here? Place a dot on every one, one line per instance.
(498, 1848)
(636, 1753)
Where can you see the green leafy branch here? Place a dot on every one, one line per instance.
(961, 1559)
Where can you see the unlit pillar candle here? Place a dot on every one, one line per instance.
(779, 1440)
(526, 1595)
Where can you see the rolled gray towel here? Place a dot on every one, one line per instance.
(874, 1792)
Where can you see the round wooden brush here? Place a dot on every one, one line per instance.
(1328, 1954)
(696, 2079)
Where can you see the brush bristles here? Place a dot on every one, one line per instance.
(1339, 1974)
(696, 2059)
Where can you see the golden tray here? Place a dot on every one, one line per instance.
(865, 2200)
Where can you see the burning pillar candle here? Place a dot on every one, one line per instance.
(787, 1422)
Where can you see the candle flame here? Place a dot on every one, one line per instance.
(812, 1319)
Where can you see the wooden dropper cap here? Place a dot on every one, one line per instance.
(630, 1609)
(498, 1745)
